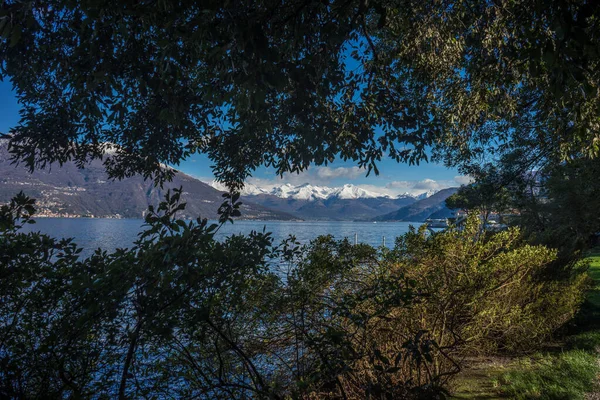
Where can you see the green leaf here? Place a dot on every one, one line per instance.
(15, 36)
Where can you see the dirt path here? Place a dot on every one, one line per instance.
(478, 380)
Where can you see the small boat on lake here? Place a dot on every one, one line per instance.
(437, 222)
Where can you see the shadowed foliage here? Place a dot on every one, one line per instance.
(287, 84)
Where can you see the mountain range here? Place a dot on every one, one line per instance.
(306, 191)
(70, 192)
(347, 202)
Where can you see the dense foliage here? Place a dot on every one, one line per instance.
(185, 315)
(556, 205)
(291, 83)
(287, 84)
(490, 292)
(560, 207)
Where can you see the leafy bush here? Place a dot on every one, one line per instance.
(486, 292)
(346, 308)
(184, 315)
(112, 324)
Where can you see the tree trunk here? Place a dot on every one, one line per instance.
(128, 358)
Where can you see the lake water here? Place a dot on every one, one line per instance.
(108, 234)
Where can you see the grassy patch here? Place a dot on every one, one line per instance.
(593, 296)
(588, 341)
(569, 375)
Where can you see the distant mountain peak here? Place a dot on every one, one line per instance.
(349, 191)
(426, 194)
(308, 191)
(109, 148)
(423, 208)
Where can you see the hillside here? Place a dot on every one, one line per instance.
(433, 206)
(69, 191)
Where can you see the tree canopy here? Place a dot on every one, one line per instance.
(290, 83)
(559, 205)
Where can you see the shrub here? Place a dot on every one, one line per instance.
(347, 310)
(486, 292)
(397, 322)
(184, 315)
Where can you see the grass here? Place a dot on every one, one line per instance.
(567, 374)
(593, 296)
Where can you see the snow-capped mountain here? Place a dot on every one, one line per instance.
(426, 194)
(353, 192)
(310, 192)
(306, 201)
(313, 192)
(302, 192)
(249, 189)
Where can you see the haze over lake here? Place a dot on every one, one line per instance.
(109, 234)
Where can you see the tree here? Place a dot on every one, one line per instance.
(265, 83)
(559, 205)
(478, 196)
(487, 194)
(495, 74)
(287, 84)
(87, 327)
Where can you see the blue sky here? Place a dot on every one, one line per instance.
(394, 177)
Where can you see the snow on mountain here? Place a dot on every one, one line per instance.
(249, 189)
(349, 191)
(426, 194)
(302, 192)
(110, 149)
(310, 192)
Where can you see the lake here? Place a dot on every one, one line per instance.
(108, 234)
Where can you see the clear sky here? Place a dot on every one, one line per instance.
(394, 177)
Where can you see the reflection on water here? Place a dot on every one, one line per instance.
(109, 234)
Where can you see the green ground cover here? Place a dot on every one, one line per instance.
(568, 370)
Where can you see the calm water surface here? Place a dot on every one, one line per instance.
(109, 234)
